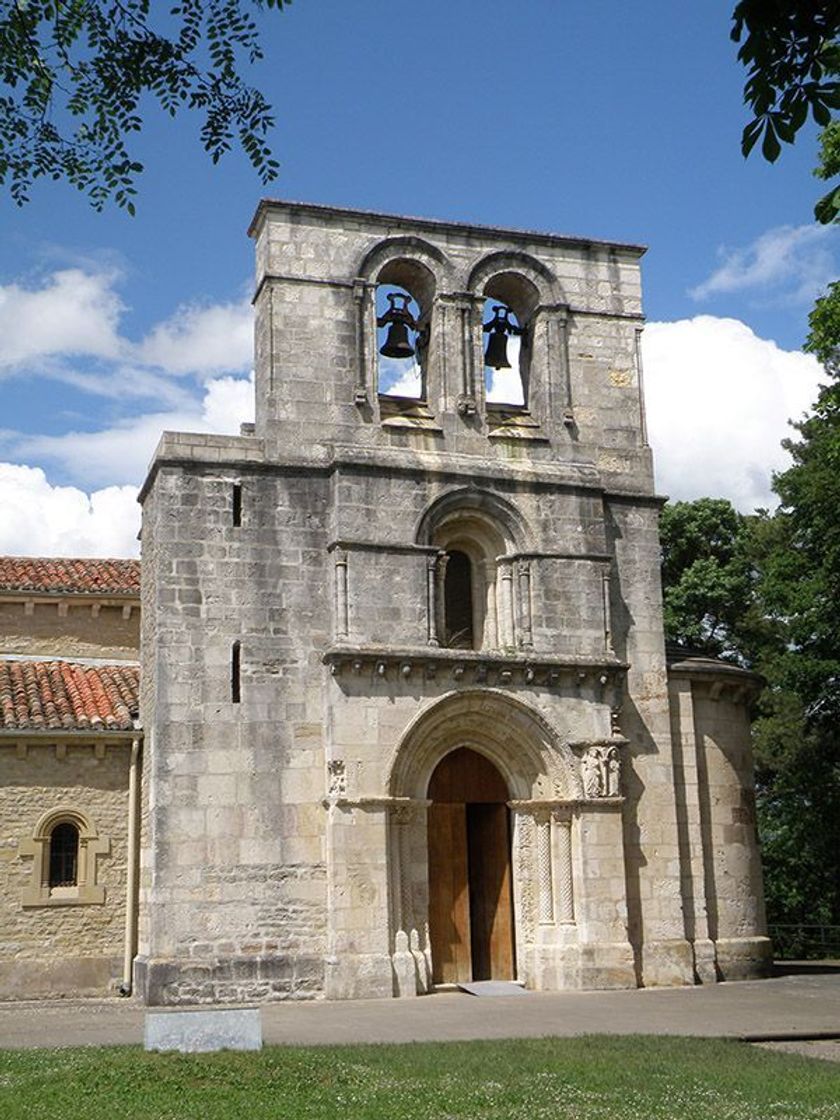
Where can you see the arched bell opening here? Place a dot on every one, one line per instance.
(508, 308)
(400, 371)
(404, 296)
(503, 380)
(471, 924)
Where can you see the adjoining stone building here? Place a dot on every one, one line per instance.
(69, 759)
(406, 710)
(405, 696)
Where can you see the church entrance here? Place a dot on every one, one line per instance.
(470, 888)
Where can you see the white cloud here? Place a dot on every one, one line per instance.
(121, 454)
(68, 329)
(718, 403)
(40, 519)
(73, 312)
(797, 261)
(203, 340)
(44, 520)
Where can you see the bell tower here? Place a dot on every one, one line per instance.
(416, 610)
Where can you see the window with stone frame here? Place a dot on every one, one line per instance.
(64, 848)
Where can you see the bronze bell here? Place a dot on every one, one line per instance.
(398, 320)
(496, 353)
(499, 328)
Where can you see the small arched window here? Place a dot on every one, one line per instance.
(64, 856)
(65, 849)
(458, 601)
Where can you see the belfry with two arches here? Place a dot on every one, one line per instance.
(409, 716)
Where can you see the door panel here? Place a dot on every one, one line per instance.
(470, 899)
(488, 845)
(449, 909)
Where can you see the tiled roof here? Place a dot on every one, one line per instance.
(67, 696)
(85, 577)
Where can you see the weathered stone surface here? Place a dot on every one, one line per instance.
(200, 1032)
(301, 682)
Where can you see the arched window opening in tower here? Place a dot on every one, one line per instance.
(64, 855)
(458, 601)
(400, 343)
(503, 355)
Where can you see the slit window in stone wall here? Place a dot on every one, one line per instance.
(399, 343)
(236, 673)
(458, 601)
(237, 505)
(64, 855)
(504, 355)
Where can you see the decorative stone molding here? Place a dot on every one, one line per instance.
(468, 667)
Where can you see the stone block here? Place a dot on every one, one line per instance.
(203, 1031)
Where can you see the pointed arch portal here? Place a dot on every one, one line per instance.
(470, 883)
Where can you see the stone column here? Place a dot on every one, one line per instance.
(433, 632)
(563, 875)
(342, 614)
(440, 598)
(362, 294)
(545, 870)
(507, 629)
(491, 621)
(523, 572)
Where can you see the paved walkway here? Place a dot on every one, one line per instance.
(802, 1006)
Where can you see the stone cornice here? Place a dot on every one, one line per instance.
(498, 668)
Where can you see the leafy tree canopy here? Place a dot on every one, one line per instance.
(791, 51)
(706, 575)
(76, 71)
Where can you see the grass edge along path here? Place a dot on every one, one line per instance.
(596, 1077)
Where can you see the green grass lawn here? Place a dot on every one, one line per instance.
(592, 1077)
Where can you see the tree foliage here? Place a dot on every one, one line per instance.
(706, 575)
(791, 51)
(76, 74)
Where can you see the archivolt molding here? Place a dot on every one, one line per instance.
(511, 734)
(471, 500)
(546, 288)
(411, 249)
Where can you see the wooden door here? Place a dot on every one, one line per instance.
(470, 899)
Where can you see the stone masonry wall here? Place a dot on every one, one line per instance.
(70, 949)
(40, 629)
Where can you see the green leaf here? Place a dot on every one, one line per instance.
(770, 147)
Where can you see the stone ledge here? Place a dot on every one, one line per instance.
(474, 667)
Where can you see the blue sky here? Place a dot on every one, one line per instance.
(601, 119)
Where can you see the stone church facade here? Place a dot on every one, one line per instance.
(342, 796)
(406, 710)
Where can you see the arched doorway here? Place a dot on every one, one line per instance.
(470, 896)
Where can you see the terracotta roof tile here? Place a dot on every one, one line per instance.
(80, 577)
(67, 696)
